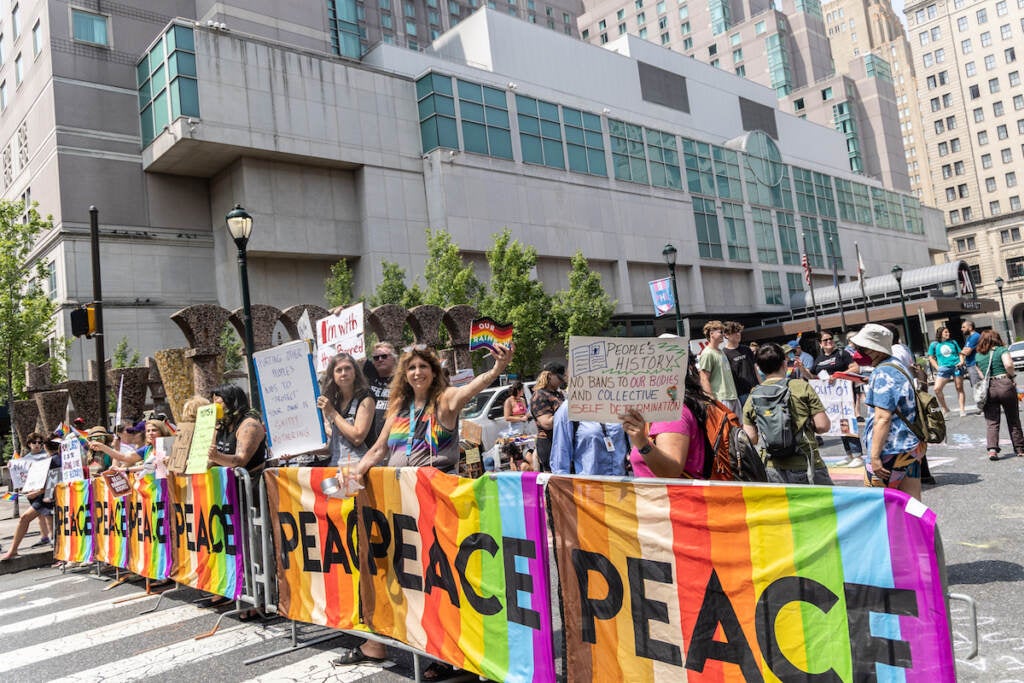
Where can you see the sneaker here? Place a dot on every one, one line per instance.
(963, 414)
(855, 462)
(845, 461)
(40, 543)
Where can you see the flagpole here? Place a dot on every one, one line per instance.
(860, 276)
(810, 287)
(835, 281)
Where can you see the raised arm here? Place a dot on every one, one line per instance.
(122, 459)
(454, 399)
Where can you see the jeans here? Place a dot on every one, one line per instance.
(1002, 396)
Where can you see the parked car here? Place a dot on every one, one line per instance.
(1016, 350)
(487, 410)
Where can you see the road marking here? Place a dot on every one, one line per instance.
(318, 669)
(38, 652)
(62, 615)
(8, 595)
(32, 604)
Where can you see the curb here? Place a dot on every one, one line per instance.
(27, 561)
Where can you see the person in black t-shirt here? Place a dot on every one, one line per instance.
(741, 361)
(378, 369)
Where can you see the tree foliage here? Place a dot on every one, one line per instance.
(450, 282)
(124, 356)
(26, 312)
(584, 309)
(514, 296)
(231, 344)
(393, 290)
(338, 286)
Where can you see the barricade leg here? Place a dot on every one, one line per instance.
(972, 613)
(160, 597)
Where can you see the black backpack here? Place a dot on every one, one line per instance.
(774, 420)
(728, 453)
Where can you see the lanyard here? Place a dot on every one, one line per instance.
(413, 423)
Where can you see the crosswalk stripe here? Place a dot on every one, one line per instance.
(46, 585)
(31, 604)
(38, 652)
(318, 668)
(60, 616)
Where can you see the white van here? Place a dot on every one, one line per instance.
(487, 410)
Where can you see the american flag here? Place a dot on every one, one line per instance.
(807, 269)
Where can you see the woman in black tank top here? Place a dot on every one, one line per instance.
(241, 438)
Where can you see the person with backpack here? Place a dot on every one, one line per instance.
(784, 416)
(585, 447)
(889, 434)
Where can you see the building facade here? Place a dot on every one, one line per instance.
(613, 152)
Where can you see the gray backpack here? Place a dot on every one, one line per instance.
(773, 419)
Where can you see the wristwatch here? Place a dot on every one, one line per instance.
(646, 449)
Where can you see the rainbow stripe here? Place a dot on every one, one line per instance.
(73, 538)
(207, 532)
(8, 496)
(110, 524)
(149, 542)
(328, 594)
(786, 576)
(484, 333)
(466, 533)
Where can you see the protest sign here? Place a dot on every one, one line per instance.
(837, 397)
(202, 438)
(162, 455)
(662, 296)
(117, 482)
(288, 392)
(18, 469)
(484, 333)
(72, 522)
(35, 479)
(305, 327)
(671, 582)
(607, 376)
(340, 333)
(120, 396)
(698, 345)
(71, 459)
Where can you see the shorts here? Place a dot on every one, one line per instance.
(778, 476)
(948, 371)
(44, 509)
(901, 466)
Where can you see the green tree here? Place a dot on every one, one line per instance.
(338, 285)
(124, 356)
(513, 296)
(584, 309)
(393, 290)
(450, 282)
(232, 347)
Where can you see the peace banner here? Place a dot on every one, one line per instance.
(206, 532)
(757, 583)
(109, 524)
(149, 527)
(315, 539)
(458, 568)
(72, 522)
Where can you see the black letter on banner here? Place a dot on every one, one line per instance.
(439, 573)
(716, 609)
(376, 518)
(158, 515)
(230, 546)
(179, 523)
(584, 562)
(351, 537)
(866, 649)
(645, 610)
(516, 581)
(309, 541)
(216, 545)
(405, 551)
(334, 550)
(777, 595)
(202, 532)
(60, 518)
(289, 536)
(470, 544)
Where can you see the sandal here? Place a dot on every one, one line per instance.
(354, 655)
(993, 455)
(250, 615)
(438, 671)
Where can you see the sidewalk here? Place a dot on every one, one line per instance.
(28, 558)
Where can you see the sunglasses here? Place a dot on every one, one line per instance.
(825, 339)
(35, 441)
(382, 356)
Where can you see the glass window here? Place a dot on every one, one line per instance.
(37, 38)
(812, 241)
(986, 161)
(803, 183)
(19, 70)
(794, 283)
(736, 232)
(628, 158)
(584, 142)
(709, 240)
(990, 184)
(961, 24)
(436, 104)
(982, 16)
(16, 21)
(986, 39)
(727, 173)
(700, 177)
(772, 287)
(3, 95)
(979, 114)
(88, 27)
(764, 235)
(540, 133)
(787, 238)
(663, 158)
(485, 122)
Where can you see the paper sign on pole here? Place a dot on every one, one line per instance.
(340, 333)
(609, 375)
(202, 439)
(288, 392)
(837, 397)
(71, 459)
(305, 327)
(117, 413)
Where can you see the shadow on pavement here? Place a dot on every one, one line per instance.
(984, 571)
(956, 478)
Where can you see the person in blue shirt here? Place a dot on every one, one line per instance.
(895, 452)
(967, 354)
(594, 448)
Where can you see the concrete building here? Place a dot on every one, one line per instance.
(969, 77)
(857, 28)
(783, 45)
(614, 152)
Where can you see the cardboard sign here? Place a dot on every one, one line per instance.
(178, 460)
(202, 438)
(35, 479)
(484, 333)
(18, 470)
(340, 333)
(117, 482)
(162, 456)
(288, 392)
(471, 432)
(71, 459)
(837, 397)
(609, 375)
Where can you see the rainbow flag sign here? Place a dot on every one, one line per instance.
(484, 333)
(109, 524)
(72, 522)
(317, 572)
(149, 527)
(207, 532)
(758, 583)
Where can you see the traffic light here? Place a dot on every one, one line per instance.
(83, 321)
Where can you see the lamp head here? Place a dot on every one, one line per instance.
(669, 252)
(897, 272)
(999, 283)
(239, 225)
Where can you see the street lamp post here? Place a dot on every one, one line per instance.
(897, 272)
(1002, 306)
(669, 252)
(240, 226)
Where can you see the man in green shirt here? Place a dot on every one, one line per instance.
(715, 373)
(808, 418)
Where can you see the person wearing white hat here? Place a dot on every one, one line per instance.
(895, 452)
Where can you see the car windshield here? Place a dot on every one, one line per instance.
(476, 405)
(1017, 346)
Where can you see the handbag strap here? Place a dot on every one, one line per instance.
(991, 355)
(917, 431)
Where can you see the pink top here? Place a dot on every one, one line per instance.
(686, 424)
(518, 406)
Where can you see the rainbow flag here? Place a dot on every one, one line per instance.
(464, 576)
(729, 582)
(207, 532)
(110, 524)
(9, 496)
(72, 522)
(484, 333)
(317, 572)
(149, 527)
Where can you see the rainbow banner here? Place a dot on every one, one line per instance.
(484, 333)
(72, 522)
(207, 532)
(458, 568)
(109, 524)
(315, 539)
(149, 527)
(757, 583)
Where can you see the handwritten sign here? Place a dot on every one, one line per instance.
(697, 345)
(484, 333)
(18, 470)
(305, 327)
(117, 483)
(38, 470)
(837, 398)
(340, 333)
(202, 439)
(71, 459)
(607, 376)
(162, 456)
(288, 391)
